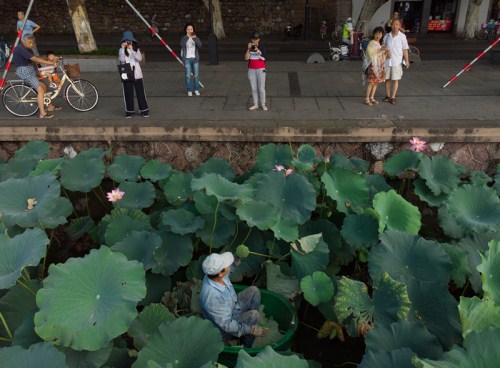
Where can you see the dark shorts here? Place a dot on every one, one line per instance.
(29, 75)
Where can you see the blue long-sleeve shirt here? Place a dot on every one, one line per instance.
(219, 304)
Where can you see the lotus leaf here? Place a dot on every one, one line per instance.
(126, 168)
(271, 155)
(185, 343)
(177, 187)
(37, 150)
(407, 257)
(285, 229)
(354, 164)
(349, 189)
(479, 178)
(426, 195)
(137, 195)
(21, 251)
(155, 170)
(119, 227)
(252, 264)
(286, 286)
(490, 271)
(215, 165)
(51, 166)
(157, 285)
(448, 223)
(479, 351)
(440, 173)
(93, 153)
(395, 213)
(25, 334)
(292, 197)
(85, 303)
(317, 288)
(223, 189)
(404, 334)
(360, 231)
(400, 358)
(42, 355)
(176, 251)
(259, 214)
(119, 357)
(402, 161)
(376, 183)
(182, 221)
(86, 359)
(79, 227)
(216, 232)
(306, 158)
(268, 358)
(17, 168)
(147, 322)
(204, 203)
(390, 299)
(496, 185)
(139, 246)
(58, 215)
(475, 208)
(81, 173)
(16, 193)
(477, 314)
(304, 264)
(460, 269)
(352, 299)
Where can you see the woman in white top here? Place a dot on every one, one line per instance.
(191, 58)
(130, 53)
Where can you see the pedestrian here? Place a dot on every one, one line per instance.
(375, 72)
(388, 24)
(397, 47)
(191, 58)
(347, 32)
(256, 56)
(30, 27)
(236, 315)
(131, 54)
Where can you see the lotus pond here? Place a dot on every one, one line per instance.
(100, 258)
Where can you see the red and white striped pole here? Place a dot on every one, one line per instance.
(472, 62)
(18, 38)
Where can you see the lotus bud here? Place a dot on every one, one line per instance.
(242, 251)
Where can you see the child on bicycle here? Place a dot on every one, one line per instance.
(50, 72)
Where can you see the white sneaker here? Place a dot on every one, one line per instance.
(197, 93)
(254, 107)
(190, 94)
(264, 107)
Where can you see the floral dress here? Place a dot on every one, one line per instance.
(376, 70)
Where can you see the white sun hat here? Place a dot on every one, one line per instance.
(215, 262)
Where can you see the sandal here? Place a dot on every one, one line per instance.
(387, 99)
(47, 116)
(393, 101)
(373, 101)
(368, 102)
(55, 108)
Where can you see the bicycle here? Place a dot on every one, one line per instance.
(413, 50)
(21, 100)
(486, 33)
(5, 51)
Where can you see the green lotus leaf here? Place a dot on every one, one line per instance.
(407, 257)
(460, 269)
(126, 168)
(404, 334)
(216, 232)
(182, 221)
(223, 189)
(477, 314)
(400, 358)
(119, 357)
(14, 196)
(25, 334)
(120, 223)
(490, 271)
(21, 251)
(42, 355)
(175, 252)
(390, 299)
(360, 231)
(440, 173)
(51, 166)
(79, 227)
(147, 322)
(306, 158)
(252, 264)
(137, 195)
(479, 178)
(426, 195)
(81, 173)
(259, 214)
(37, 150)
(139, 246)
(317, 288)
(402, 161)
(496, 185)
(352, 299)
(395, 213)
(177, 187)
(304, 264)
(58, 215)
(204, 203)
(347, 188)
(475, 208)
(285, 229)
(87, 302)
(85, 359)
(157, 285)
(376, 183)
(268, 358)
(448, 223)
(93, 153)
(17, 168)
(155, 170)
(185, 343)
(215, 165)
(339, 160)
(271, 155)
(286, 286)
(479, 350)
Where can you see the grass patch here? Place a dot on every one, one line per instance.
(113, 51)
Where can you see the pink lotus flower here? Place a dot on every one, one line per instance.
(288, 172)
(115, 195)
(279, 168)
(417, 145)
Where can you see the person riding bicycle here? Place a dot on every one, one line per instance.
(23, 59)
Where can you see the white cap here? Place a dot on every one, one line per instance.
(349, 19)
(215, 262)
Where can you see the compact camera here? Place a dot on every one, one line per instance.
(254, 47)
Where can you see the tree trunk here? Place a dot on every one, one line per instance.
(367, 11)
(218, 24)
(471, 19)
(81, 25)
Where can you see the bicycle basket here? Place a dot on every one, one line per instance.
(73, 70)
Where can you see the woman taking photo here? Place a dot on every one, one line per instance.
(256, 56)
(191, 58)
(129, 53)
(376, 71)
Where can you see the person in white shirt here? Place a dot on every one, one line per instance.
(191, 58)
(397, 46)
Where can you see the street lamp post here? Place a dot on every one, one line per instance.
(306, 20)
(213, 57)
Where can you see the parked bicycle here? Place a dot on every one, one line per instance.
(21, 99)
(5, 51)
(413, 51)
(488, 31)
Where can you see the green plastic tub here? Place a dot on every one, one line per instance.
(282, 312)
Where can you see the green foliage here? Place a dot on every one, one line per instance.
(440, 173)
(490, 272)
(126, 168)
(42, 355)
(271, 155)
(317, 288)
(395, 213)
(147, 323)
(269, 358)
(347, 188)
(400, 162)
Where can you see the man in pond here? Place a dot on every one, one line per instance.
(236, 315)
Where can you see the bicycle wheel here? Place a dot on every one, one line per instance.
(414, 50)
(81, 95)
(482, 34)
(3, 59)
(20, 100)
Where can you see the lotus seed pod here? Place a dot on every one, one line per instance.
(242, 251)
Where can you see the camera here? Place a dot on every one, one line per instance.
(254, 47)
(129, 42)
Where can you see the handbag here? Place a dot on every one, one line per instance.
(126, 72)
